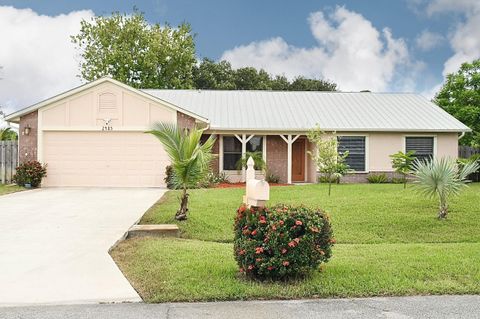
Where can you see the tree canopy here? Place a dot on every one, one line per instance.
(212, 75)
(460, 96)
(153, 56)
(131, 50)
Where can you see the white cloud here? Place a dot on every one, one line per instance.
(465, 37)
(37, 56)
(427, 40)
(350, 51)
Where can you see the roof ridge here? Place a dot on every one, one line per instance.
(283, 91)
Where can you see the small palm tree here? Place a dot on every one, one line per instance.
(190, 159)
(442, 178)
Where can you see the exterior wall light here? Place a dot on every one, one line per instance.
(26, 130)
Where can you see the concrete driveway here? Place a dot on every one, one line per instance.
(54, 244)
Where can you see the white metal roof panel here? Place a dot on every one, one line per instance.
(300, 111)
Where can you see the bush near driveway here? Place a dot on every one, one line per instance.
(282, 241)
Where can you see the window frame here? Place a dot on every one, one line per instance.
(434, 136)
(367, 151)
(222, 152)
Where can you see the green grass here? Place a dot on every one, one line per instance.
(361, 213)
(7, 189)
(189, 270)
(389, 243)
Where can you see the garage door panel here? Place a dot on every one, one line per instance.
(121, 159)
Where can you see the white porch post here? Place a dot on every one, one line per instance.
(289, 140)
(244, 139)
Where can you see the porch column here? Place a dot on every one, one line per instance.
(244, 139)
(289, 140)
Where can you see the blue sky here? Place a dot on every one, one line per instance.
(395, 45)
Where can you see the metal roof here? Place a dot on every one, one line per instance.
(300, 111)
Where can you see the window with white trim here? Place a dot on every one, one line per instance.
(422, 145)
(232, 150)
(355, 145)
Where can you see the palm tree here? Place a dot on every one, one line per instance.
(190, 159)
(442, 178)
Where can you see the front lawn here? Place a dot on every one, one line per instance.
(361, 213)
(389, 243)
(7, 189)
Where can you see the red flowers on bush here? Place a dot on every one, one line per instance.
(30, 172)
(264, 238)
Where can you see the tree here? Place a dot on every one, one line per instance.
(442, 178)
(190, 159)
(7, 134)
(142, 55)
(303, 84)
(214, 76)
(220, 76)
(402, 163)
(249, 78)
(460, 96)
(326, 156)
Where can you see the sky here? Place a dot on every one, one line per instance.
(378, 45)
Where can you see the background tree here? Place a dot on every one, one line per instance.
(303, 84)
(142, 55)
(326, 156)
(190, 159)
(460, 96)
(402, 163)
(214, 76)
(442, 178)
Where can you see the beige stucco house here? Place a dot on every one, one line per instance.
(93, 135)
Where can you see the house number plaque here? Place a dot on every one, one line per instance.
(107, 126)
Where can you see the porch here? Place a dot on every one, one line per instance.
(285, 155)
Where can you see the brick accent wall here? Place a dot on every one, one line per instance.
(27, 144)
(277, 157)
(362, 177)
(185, 121)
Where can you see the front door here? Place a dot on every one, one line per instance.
(298, 160)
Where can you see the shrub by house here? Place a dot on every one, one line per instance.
(30, 172)
(281, 242)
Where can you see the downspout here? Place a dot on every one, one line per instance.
(461, 135)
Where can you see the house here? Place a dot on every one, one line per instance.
(93, 135)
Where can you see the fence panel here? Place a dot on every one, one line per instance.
(467, 151)
(8, 160)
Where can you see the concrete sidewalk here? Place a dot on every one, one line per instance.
(391, 307)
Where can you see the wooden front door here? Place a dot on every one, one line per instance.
(298, 160)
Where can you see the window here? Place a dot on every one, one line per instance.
(355, 145)
(232, 150)
(422, 145)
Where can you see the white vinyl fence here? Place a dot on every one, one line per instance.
(8, 160)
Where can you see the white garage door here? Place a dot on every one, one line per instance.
(108, 159)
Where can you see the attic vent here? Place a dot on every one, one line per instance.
(107, 102)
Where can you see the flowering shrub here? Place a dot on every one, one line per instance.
(30, 172)
(282, 241)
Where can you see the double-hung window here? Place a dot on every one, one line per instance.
(422, 145)
(355, 145)
(232, 150)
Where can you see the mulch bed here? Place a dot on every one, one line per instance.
(238, 185)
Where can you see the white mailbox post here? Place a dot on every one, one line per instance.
(257, 191)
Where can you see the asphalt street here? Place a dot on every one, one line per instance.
(389, 307)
